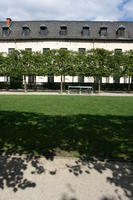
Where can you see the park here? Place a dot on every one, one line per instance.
(66, 110)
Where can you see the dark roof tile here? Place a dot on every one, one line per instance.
(74, 27)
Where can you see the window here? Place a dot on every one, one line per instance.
(10, 50)
(43, 30)
(103, 31)
(81, 50)
(28, 49)
(63, 30)
(125, 79)
(132, 79)
(107, 79)
(118, 50)
(31, 79)
(45, 50)
(26, 30)
(6, 31)
(85, 31)
(116, 80)
(121, 32)
(50, 79)
(63, 48)
(5, 79)
(81, 79)
(97, 79)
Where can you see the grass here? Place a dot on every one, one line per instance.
(67, 125)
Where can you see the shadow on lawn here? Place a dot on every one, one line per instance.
(99, 136)
(107, 137)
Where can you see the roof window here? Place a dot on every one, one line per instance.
(6, 31)
(103, 31)
(26, 30)
(121, 32)
(43, 29)
(63, 30)
(86, 30)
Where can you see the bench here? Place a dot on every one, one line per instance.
(89, 88)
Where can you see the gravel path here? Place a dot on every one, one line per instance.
(23, 177)
(66, 94)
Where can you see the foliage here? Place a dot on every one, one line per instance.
(3, 70)
(95, 62)
(128, 63)
(100, 62)
(62, 62)
(118, 64)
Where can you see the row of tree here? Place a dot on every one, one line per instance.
(95, 62)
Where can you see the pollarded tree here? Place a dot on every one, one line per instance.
(74, 67)
(2, 65)
(128, 66)
(99, 63)
(62, 64)
(27, 65)
(117, 67)
(13, 63)
(20, 63)
(38, 65)
(44, 63)
(81, 63)
(50, 62)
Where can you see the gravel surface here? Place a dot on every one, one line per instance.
(34, 178)
(72, 94)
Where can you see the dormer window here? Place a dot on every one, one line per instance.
(121, 32)
(63, 30)
(43, 30)
(86, 31)
(103, 31)
(5, 31)
(26, 30)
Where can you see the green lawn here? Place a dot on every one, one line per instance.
(67, 125)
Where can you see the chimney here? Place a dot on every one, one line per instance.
(8, 21)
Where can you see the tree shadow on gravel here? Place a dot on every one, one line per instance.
(108, 198)
(65, 197)
(101, 137)
(12, 169)
(122, 173)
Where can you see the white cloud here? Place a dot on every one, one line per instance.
(61, 9)
(128, 9)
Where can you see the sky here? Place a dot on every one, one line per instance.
(109, 10)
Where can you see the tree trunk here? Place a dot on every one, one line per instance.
(99, 85)
(94, 84)
(129, 84)
(35, 82)
(61, 84)
(72, 79)
(25, 85)
(8, 83)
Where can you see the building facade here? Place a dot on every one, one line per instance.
(71, 35)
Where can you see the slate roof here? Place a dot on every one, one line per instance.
(74, 30)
